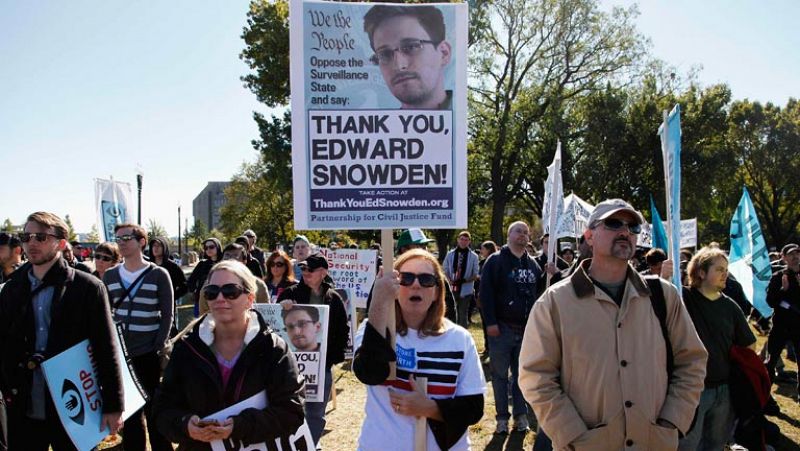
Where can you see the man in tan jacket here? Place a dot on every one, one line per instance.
(593, 363)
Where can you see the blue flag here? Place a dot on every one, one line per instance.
(670, 132)
(659, 235)
(749, 258)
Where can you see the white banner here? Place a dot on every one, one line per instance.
(553, 203)
(688, 234)
(375, 146)
(114, 204)
(574, 218)
(353, 269)
(301, 440)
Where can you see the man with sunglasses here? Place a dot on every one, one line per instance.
(142, 302)
(412, 54)
(313, 289)
(46, 308)
(594, 363)
(10, 255)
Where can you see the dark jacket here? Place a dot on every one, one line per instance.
(509, 287)
(192, 385)
(784, 317)
(179, 287)
(80, 310)
(338, 329)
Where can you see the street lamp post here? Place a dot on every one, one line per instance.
(179, 230)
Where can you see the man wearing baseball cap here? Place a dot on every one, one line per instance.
(313, 289)
(10, 255)
(594, 363)
(783, 295)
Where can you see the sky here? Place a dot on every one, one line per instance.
(99, 89)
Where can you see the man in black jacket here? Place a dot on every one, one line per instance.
(783, 295)
(312, 289)
(46, 308)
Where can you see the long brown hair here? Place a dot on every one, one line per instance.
(288, 275)
(433, 324)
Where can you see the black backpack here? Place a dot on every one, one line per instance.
(659, 304)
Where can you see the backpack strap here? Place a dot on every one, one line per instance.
(659, 304)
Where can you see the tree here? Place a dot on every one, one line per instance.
(532, 58)
(71, 235)
(8, 226)
(155, 230)
(765, 140)
(93, 236)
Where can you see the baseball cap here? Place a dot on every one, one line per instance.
(314, 261)
(412, 236)
(7, 239)
(789, 248)
(608, 207)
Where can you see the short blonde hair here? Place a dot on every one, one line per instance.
(702, 261)
(237, 269)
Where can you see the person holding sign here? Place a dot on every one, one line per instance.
(229, 355)
(46, 308)
(427, 345)
(313, 289)
(412, 54)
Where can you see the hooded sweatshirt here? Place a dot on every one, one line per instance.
(179, 287)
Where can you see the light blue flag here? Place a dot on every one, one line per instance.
(749, 258)
(659, 235)
(670, 132)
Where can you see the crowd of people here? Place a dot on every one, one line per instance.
(594, 343)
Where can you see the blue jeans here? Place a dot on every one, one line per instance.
(315, 411)
(504, 353)
(713, 427)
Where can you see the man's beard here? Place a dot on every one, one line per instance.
(622, 249)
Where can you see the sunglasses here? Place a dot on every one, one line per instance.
(125, 238)
(277, 264)
(298, 325)
(425, 280)
(209, 247)
(230, 291)
(40, 237)
(615, 225)
(105, 258)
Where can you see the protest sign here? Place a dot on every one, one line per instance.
(305, 329)
(73, 383)
(301, 440)
(373, 147)
(114, 204)
(354, 270)
(688, 231)
(350, 308)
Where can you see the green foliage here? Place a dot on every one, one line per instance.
(266, 51)
(8, 226)
(156, 230)
(93, 236)
(71, 235)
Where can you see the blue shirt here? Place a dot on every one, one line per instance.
(41, 301)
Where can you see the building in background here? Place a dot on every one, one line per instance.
(207, 205)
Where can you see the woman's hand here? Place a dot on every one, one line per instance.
(414, 403)
(224, 430)
(199, 432)
(384, 293)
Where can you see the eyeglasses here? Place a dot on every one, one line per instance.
(408, 47)
(40, 237)
(125, 238)
(105, 258)
(298, 325)
(277, 264)
(230, 291)
(615, 225)
(425, 280)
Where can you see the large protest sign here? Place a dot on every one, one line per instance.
(354, 270)
(377, 144)
(301, 440)
(574, 218)
(73, 383)
(749, 257)
(305, 329)
(350, 308)
(114, 206)
(670, 132)
(688, 231)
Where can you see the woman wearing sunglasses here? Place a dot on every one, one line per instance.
(427, 345)
(229, 355)
(280, 274)
(106, 256)
(212, 254)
